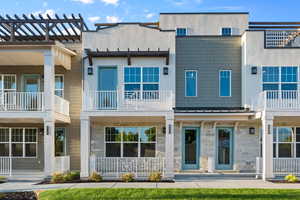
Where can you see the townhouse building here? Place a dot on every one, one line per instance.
(196, 92)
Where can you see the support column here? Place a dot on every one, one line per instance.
(49, 150)
(49, 120)
(267, 147)
(169, 152)
(84, 146)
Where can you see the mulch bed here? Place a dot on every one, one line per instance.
(18, 196)
(103, 181)
(283, 181)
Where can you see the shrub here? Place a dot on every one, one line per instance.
(155, 177)
(2, 179)
(95, 177)
(291, 178)
(128, 177)
(57, 178)
(71, 176)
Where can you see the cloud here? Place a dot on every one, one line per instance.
(49, 12)
(85, 1)
(150, 15)
(112, 2)
(112, 19)
(94, 19)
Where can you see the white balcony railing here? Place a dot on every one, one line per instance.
(62, 164)
(128, 100)
(22, 101)
(277, 100)
(281, 166)
(282, 39)
(140, 167)
(61, 105)
(5, 166)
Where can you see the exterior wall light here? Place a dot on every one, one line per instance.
(90, 71)
(254, 70)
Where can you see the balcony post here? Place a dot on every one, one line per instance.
(49, 73)
(49, 150)
(84, 146)
(267, 147)
(169, 147)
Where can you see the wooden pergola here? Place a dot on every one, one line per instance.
(31, 28)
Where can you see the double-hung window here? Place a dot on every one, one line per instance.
(283, 79)
(181, 31)
(130, 141)
(225, 83)
(190, 83)
(141, 82)
(7, 84)
(59, 85)
(21, 142)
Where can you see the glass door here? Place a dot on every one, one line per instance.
(224, 148)
(191, 148)
(107, 87)
(31, 99)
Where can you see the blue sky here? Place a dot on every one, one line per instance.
(148, 10)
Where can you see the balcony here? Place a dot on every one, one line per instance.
(277, 100)
(129, 100)
(30, 102)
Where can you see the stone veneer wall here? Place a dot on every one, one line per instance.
(246, 147)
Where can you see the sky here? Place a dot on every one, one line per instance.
(95, 11)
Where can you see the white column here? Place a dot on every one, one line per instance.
(169, 153)
(84, 146)
(49, 151)
(267, 147)
(49, 120)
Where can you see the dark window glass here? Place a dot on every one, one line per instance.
(274, 150)
(4, 150)
(226, 31)
(17, 150)
(270, 74)
(284, 150)
(112, 134)
(30, 150)
(181, 31)
(297, 134)
(130, 149)
(60, 142)
(113, 150)
(148, 150)
(298, 150)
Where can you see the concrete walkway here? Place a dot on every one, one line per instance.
(208, 182)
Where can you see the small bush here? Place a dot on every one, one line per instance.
(95, 177)
(57, 178)
(291, 178)
(128, 177)
(71, 176)
(2, 179)
(155, 177)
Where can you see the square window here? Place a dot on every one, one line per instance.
(130, 134)
(4, 149)
(113, 150)
(17, 135)
(17, 150)
(298, 150)
(226, 31)
(181, 31)
(113, 134)
(289, 74)
(30, 150)
(270, 74)
(148, 134)
(132, 74)
(4, 135)
(148, 150)
(130, 150)
(284, 150)
(285, 134)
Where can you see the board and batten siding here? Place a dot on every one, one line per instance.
(208, 55)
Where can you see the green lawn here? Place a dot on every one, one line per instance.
(140, 194)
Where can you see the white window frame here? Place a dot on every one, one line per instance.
(230, 84)
(8, 142)
(139, 142)
(279, 78)
(186, 30)
(2, 89)
(23, 142)
(185, 82)
(63, 84)
(221, 31)
(141, 83)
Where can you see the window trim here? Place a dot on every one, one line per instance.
(139, 142)
(63, 85)
(230, 84)
(185, 82)
(23, 142)
(11, 90)
(229, 27)
(186, 31)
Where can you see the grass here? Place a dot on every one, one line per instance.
(208, 194)
(2, 179)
